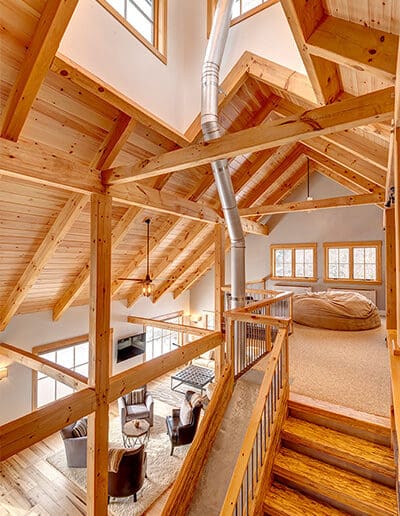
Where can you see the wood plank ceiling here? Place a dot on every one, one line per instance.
(74, 126)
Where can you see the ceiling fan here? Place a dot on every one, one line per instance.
(147, 282)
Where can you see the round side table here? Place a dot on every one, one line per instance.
(135, 433)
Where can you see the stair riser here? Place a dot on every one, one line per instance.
(365, 471)
(344, 505)
(378, 436)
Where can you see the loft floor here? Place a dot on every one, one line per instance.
(344, 368)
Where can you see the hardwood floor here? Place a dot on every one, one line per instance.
(29, 485)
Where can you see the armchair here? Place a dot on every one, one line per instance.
(75, 447)
(130, 476)
(138, 404)
(182, 425)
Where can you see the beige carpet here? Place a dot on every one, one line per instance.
(161, 468)
(346, 368)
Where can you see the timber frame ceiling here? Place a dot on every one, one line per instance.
(65, 134)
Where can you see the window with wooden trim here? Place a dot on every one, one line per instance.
(241, 10)
(161, 340)
(145, 19)
(355, 262)
(294, 262)
(70, 353)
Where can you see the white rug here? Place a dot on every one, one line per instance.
(162, 469)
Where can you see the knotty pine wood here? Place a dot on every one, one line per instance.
(364, 457)
(336, 486)
(280, 500)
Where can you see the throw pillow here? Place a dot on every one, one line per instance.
(135, 397)
(80, 428)
(196, 399)
(185, 413)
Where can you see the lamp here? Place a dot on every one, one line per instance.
(309, 197)
(3, 373)
(147, 289)
(195, 318)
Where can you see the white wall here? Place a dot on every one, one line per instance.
(99, 43)
(30, 330)
(341, 224)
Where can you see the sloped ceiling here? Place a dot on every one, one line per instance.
(76, 126)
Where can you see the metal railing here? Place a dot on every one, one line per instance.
(250, 478)
(252, 330)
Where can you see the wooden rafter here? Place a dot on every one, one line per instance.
(39, 164)
(356, 46)
(146, 197)
(303, 17)
(37, 363)
(80, 282)
(317, 204)
(183, 328)
(57, 232)
(114, 142)
(51, 27)
(339, 116)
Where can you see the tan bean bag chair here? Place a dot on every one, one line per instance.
(348, 311)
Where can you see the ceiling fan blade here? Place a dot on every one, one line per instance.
(131, 279)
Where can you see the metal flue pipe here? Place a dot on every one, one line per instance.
(211, 130)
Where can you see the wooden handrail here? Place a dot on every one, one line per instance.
(246, 451)
(394, 358)
(186, 482)
(182, 328)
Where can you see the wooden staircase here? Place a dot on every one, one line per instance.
(332, 462)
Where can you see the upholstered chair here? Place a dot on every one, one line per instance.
(138, 404)
(75, 442)
(130, 476)
(182, 424)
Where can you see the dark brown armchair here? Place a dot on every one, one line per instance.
(130, 476)
(183, 432)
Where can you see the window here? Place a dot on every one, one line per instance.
(241, 10)
(145, 19)
(72, 355)
(356, 262)
(160, 340)
(294, 261)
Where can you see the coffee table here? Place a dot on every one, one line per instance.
(135, 433)
(194, 376)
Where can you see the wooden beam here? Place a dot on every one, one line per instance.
(339, 116)
(133, 378)
(303, 17)
(71, 71)
(80, 282)
(55, 235)
(390, 269)
(349, 175)
(317, 204)
(183, 328)
(285, 80)
(99, 353)
(356, 46)
(152, 199)
(32, 428)
(114, 142)
(252, 227)
(59, 373)
(347, 160)
(49, 32)
(37, 163)
(219, 296)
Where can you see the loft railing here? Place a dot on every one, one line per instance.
(246, 491)
(394, 358)
(252, 330)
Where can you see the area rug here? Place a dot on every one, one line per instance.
(162, 469)
(348, 368)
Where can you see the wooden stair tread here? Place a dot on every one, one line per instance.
(346, 447)
(284, 501)
(335, 484)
